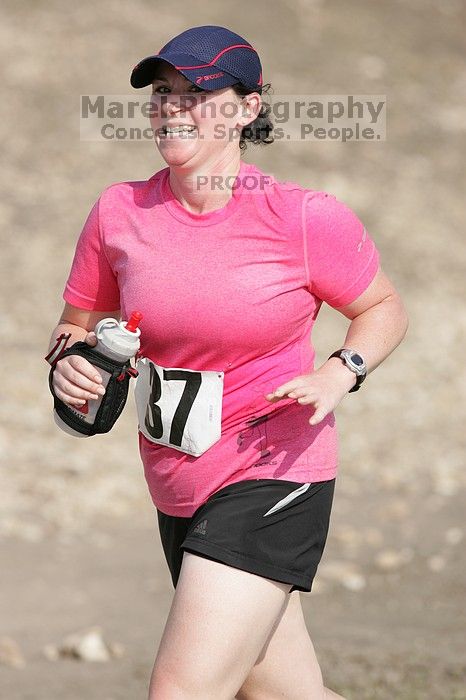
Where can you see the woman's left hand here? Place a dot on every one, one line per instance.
(324, 388)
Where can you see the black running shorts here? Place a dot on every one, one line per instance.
(270, 527)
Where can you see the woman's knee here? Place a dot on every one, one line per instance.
(218, 623)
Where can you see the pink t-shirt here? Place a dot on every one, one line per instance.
(235, 290)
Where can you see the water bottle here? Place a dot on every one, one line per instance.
(118, 341)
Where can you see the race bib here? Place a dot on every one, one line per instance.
(178, 407)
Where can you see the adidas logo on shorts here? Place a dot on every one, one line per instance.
(201, 528)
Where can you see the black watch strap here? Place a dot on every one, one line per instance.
(359, 377)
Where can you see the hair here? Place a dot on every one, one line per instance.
(260, 131)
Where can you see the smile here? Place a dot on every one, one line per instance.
(181, 131)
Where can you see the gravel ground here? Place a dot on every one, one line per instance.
(78, 538)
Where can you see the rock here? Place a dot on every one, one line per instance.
(87, 646)
(390, 559)
(454, 535)
(354, 581)
(10, 653)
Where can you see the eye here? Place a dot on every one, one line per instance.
(196, 89)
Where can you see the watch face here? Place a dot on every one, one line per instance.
(354, 361)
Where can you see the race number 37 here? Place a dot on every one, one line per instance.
(179, 407)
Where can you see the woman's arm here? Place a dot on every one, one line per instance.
(78, 322)
(379, 322)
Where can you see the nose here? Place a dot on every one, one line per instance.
(170, 107)
(173, 104)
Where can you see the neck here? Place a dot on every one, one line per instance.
(204, 188)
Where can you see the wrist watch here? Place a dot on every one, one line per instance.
(355, 363)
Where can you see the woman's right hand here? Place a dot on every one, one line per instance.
(75, 379)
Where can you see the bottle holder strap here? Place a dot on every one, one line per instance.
(56, 353)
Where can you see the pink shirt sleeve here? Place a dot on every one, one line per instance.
(341, 258)
(91, 282)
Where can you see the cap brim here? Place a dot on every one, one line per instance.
(205, 77)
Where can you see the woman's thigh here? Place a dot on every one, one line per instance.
(287, 667)
(218, 623)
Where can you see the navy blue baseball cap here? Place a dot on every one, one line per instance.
(209, 56)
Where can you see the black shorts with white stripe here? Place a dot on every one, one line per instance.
(271, 527)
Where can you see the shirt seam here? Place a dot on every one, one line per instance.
(101, 239)
(79, 294)
(304, 232)
(163, 185)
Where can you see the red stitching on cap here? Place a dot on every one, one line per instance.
(206, 65)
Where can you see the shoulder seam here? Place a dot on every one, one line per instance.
(309, 194)
(101, 239)
(304, 233)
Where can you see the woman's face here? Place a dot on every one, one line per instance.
(217, 118)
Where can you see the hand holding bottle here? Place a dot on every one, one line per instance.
(90, 384)
(76, 380)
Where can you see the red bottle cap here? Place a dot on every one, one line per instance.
(133, 322)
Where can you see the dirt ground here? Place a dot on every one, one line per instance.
(79, 544)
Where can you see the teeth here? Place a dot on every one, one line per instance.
(177, 129)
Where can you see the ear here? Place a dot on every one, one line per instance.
(251, 106)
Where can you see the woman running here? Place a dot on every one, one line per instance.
(236, 427)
